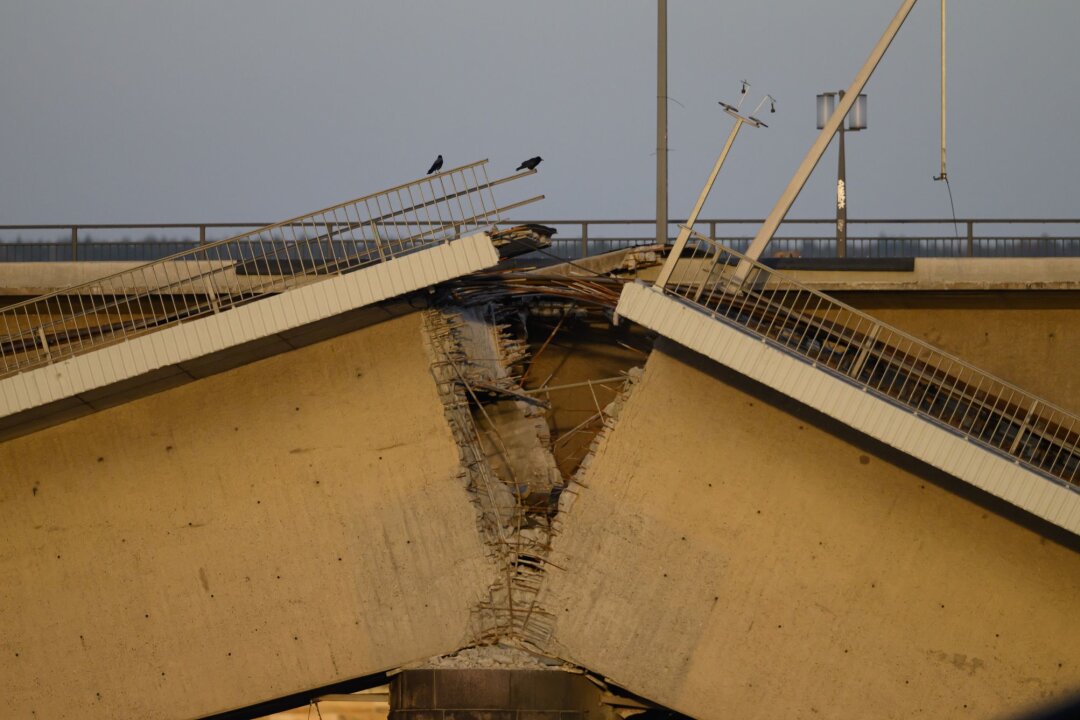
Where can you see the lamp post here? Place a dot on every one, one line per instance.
(661, 124)
(856, 120)
(684, 232)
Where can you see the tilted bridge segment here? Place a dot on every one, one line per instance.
(874, 377)
(80, 348)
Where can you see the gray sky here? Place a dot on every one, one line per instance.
(138, 111)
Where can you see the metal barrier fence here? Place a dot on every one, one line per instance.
(908, 237)
(895, 366)
(217, 276)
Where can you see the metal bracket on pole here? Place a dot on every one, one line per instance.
(787, 199)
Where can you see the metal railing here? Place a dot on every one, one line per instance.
(217, 276)
(905, 237)
(897, 367)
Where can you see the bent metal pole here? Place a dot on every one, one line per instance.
(787, 199)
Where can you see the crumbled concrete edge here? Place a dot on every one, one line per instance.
(579, 484)
(499, 656)
(612, 411)
(463, 346)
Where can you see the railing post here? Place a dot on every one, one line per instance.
(584, 239)
(1023, 428)
(44, 344)
(712, 229)
(74, 243)
(971, 238)
(202, 234)
(377, 240)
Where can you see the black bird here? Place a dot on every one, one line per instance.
(435, 166)
(530, 164)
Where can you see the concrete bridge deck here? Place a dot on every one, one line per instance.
(306, 519)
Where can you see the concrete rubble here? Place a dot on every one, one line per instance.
(500, 655)
(478, 352)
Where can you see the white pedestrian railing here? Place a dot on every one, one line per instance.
(895, 366)
(217, 276)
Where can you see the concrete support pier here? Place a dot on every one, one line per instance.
(495, 694)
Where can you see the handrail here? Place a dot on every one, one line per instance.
(204, 280)
(966, 242)
(894, 365)
(589, 221)
(300, 221)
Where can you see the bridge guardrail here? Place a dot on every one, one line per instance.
(897, 237)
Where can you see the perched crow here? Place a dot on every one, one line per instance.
(436, 166)
(530, 164)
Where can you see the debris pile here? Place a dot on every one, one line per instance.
(499, 656)
(477, 335)
(503, 440)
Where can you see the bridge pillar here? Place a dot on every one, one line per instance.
(494, 694)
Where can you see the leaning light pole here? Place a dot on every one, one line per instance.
(787, 199)
(685, 230)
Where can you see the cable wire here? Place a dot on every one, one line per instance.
(956, 228)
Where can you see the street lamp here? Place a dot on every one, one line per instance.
(684, 232)
(856, 120)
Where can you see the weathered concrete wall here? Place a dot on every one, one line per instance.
(280, 526)
(731, 554)
(1031, 338)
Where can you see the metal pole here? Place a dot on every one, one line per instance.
(661, 124)
(74, 243)
(684, 231)
(841, 199)
(943, 175)
(787, 199)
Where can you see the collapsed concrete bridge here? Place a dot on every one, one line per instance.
(481, 464)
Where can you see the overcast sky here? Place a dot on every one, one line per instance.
(146, 111)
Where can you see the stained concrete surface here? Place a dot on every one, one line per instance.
(280, 526)
(731, 554)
